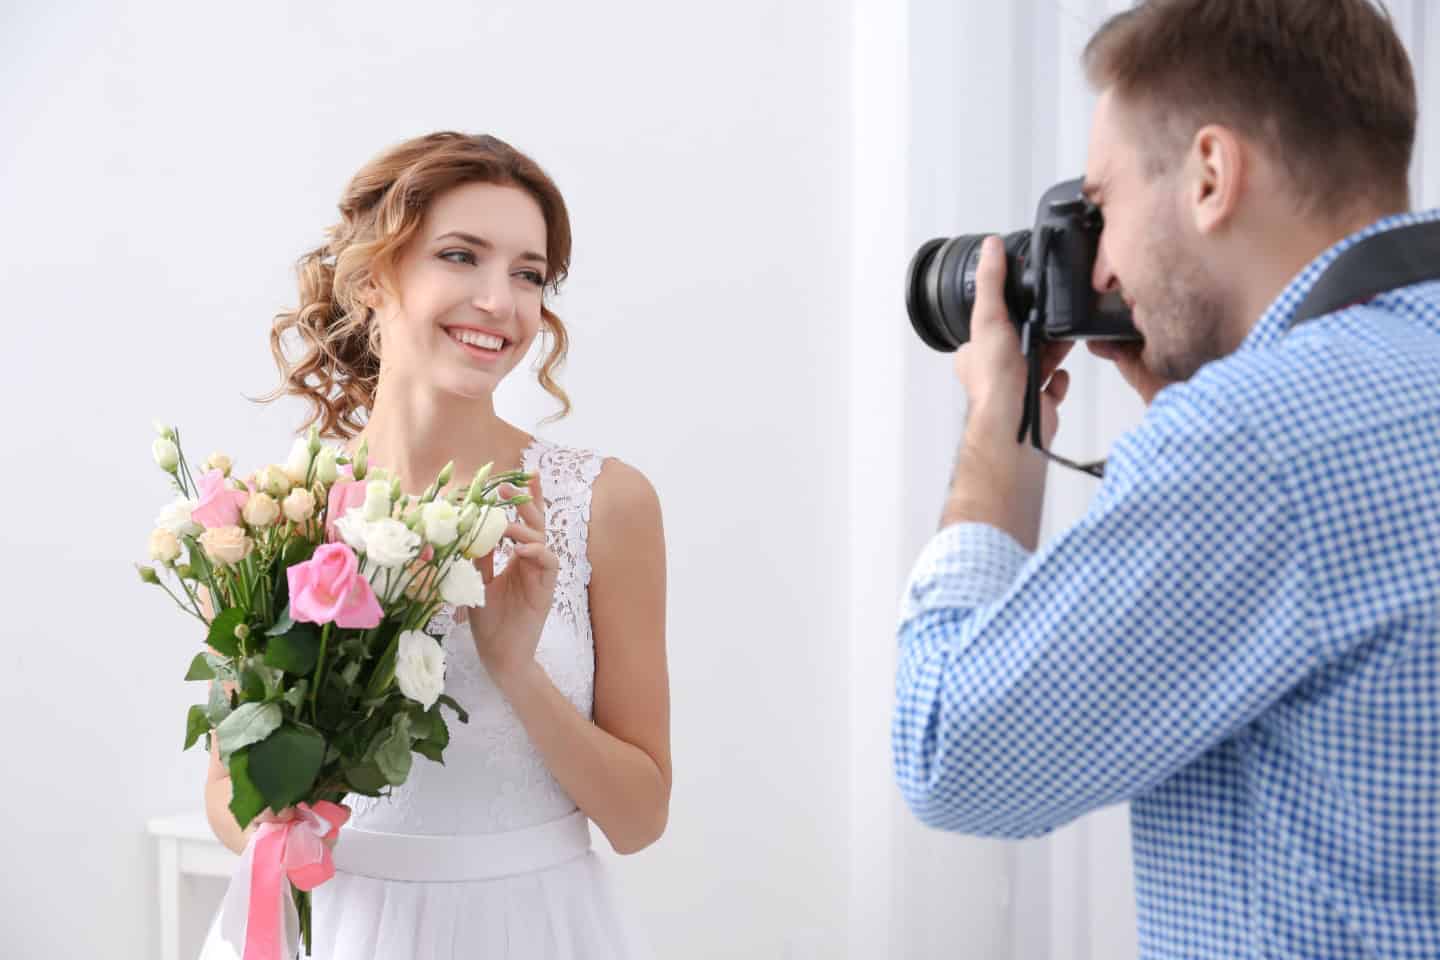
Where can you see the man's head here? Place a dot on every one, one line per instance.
(1233, 140)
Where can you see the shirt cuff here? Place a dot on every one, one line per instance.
(964, 566)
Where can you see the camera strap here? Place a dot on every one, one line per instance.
(1382, 262)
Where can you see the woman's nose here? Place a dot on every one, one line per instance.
(493, 295)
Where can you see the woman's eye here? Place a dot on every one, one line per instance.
(533, 277)
(458, 256)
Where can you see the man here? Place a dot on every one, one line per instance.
(1242, 635)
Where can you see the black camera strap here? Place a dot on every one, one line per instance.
(1382, 262)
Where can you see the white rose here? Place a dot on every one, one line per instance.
(352, 529)
(166, 454)
(462, 584)
(377, 500)
(175, 517)
(299, 506)
(442, 522)
(487, 533)
(326, 470)
(297, 465)
(389, 543)
(164, 546)
(420, 667)
(261, 510)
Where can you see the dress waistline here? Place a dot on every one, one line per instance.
(456, 858)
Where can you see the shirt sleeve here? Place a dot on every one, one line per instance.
(1033, 689)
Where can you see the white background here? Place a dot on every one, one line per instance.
(747, 181)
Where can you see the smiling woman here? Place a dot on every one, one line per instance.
(430, 290)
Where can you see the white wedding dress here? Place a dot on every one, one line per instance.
(486, 856)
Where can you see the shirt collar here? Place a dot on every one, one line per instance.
(1276, 319)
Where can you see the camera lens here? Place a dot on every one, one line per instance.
(940, 286)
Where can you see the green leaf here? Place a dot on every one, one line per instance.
(295, 696)
(250, 723)
(350, 671)
(246, 801)
(284, 765)
(366, 779)
(199, 563)
(219, 707)
(222, 668)
(439, 732)
(298, 550)
(282, 626)
(222, 631)
(393, 755)
(430, 751)
(197, 724)
(295, 652)
(200, 668)
(449, 701)
(384, 671)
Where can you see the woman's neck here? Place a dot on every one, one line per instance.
(414, 434)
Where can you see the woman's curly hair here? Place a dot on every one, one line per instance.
(338, 364)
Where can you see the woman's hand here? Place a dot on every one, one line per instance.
(284, 816)
(517, 602)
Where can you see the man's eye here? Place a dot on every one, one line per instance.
(458, 256)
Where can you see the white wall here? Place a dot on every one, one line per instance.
(164, 165)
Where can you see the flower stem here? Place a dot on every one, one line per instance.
(319, 670)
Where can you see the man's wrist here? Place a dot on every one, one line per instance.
(997, 481)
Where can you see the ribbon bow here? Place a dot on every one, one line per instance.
(258, 918)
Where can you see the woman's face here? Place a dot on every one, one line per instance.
(467, 298)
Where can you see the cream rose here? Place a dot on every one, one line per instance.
(218, 461)
(261, 510)
(226, 545)
(326, 469)
(299, 506)
(164, 546)
(377, 500)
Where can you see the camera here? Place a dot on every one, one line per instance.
(1047, 279)
(1048, 293)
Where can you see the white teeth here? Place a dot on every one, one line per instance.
(477, 339)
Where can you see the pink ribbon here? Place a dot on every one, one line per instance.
(287, 849)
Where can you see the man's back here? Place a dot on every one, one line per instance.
(1325, 808)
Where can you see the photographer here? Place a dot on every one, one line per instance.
(1242, 635)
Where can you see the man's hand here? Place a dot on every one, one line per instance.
(1126, 357)
(998, 480)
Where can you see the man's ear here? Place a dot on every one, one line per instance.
(1216, 169)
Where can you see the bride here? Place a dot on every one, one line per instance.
(430, 290)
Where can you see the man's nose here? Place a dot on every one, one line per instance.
(1103, 278)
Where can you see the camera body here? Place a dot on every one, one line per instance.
(1047, 279)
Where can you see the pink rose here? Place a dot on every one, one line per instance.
(329, 587)
(219, 503)
(344, 495)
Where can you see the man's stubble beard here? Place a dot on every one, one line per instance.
(1186, 309)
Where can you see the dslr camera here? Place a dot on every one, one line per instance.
(1048, 290)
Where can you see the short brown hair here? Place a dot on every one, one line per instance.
(380, 212)
(1324, 85)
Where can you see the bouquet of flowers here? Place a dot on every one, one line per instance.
(315, 581)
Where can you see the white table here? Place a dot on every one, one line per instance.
(186, 848)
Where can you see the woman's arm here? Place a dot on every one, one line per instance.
(616, 769)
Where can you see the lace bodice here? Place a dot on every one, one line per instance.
(493, 778)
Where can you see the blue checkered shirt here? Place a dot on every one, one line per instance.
(1241, 637)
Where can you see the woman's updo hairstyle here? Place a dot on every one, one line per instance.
(338, 362)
